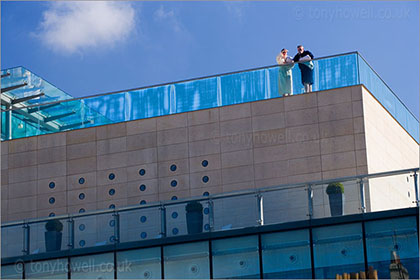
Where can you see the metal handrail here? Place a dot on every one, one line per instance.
(212, 197)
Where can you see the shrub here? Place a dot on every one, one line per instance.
(194, 206)
(54, 225)
(335, 187)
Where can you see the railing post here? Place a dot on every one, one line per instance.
(310, 201)
(211, 214)
(362, 195)
(70, 222)
(260, 205)
(116, 227)
(416, 187)
(26, 238)
(162, 221)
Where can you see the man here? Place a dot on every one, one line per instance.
(306, 67)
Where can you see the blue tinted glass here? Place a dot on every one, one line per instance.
(175, 231)
(82, 210)
(392, 247)
(51, 269)
(236, 258)
(82, 227)
(143, 235)
(51, 200)
(338, 250)
(111, 192)
(93, 266)
(174, 183)
(204, 163)
(143, 219)
(143, 202)
(142, 188)
(173, 167)
(139, 264)
(81, 196)
(52, 185)
(286, 255)
(142, 172)
(13, 271)
(52, 214)
(174, 215)
(205, 179)
(111, 206)
(174, 198)
(111, 176)
(81, 181)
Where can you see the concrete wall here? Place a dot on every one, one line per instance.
(389, 147)
(299, 138)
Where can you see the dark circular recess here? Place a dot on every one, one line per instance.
(143, 202)
(204, 163)
(111, 176)
(51, 200)
(52, 214)
(112, 223)
(142, 172)
(52, 185)
(205, 179)
(206, 193)
(143, 235)
(207, 227)
(173, 167)
(175, 231)
(112, 239)
(81, 181)
(142, 187)
(174, 197)
(174, 183)
(143, 219)
(82, 243)
(81, 196)
(111, 192)
(206, 211)
(82, 227)
(174, 215)
(112, 206)
(82, 210)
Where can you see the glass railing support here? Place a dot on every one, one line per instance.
(71, 233)
(416, 187)
(162, 221)
(116, 217)
(211, 214)
(26, 239)
(362, 195)
(260, 205)
(310, 200)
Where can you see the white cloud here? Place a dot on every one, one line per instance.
(70, 27)
(168, 16)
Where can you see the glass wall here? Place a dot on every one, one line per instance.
(51, 269)
(286, 255)
(13, 271)
(392, 248)
(139, 264)
(100, 266)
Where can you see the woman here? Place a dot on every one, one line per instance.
(285, 73)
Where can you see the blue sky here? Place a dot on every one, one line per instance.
(97, 47)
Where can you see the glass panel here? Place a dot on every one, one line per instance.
(95, 230)
(392, 248)
(47, 236)
(11, 241)
(139, 264)
(286, 255)
(329, 201)
(390, 192)
(93, 267)
(236, 258)
(13, 271)
(52, 269)
(235, 212)
(286, 205)
(180, 222)
(187, 261)
(338, 250)
(140, 224)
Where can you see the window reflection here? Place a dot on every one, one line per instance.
(139, 264)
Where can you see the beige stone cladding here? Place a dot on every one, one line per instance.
(315, 136)
(389, 147)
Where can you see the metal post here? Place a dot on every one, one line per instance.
(310, 201)
(260, 206)
(8, 123)
(211, 214)
(362, 195)
(416, 187)
(162, 221)
(70, 222)
(116, 227)
(26, 239)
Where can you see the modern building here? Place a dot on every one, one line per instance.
(123, 172)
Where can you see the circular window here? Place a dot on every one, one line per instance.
(175, 231)
(204, 163)
(206, 194)
(205, 179)
(111, 176)
(207, 227)
(112, 206)
(52, 214)
(81, 181)
(142, 188)
(51, 200)
(143, 202)
(111, 192)
(174, 197)
(142, 172)
(143, 235)
(174, 183)
(143, 219)
(174, 215)
(52, 185)
(82, 210)
(112, 223)
(81, 196)
(206, 211)
(112, 239)
(82, 227)
(82, 243)
(173, 167)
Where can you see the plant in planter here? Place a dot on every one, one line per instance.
(335, 193)
(53, 235)
(194, 211)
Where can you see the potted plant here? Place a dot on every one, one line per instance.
(194, 211)
(335, 193)
(53, 235)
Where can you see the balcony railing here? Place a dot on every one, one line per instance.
(250, 208)
(196, 94)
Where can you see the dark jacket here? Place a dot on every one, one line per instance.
(299, 55)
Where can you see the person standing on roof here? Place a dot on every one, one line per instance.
(306, 66)
(285, 73)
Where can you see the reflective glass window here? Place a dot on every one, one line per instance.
(99, 266)
(50, 269)
(139, 264)
(13, 271)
